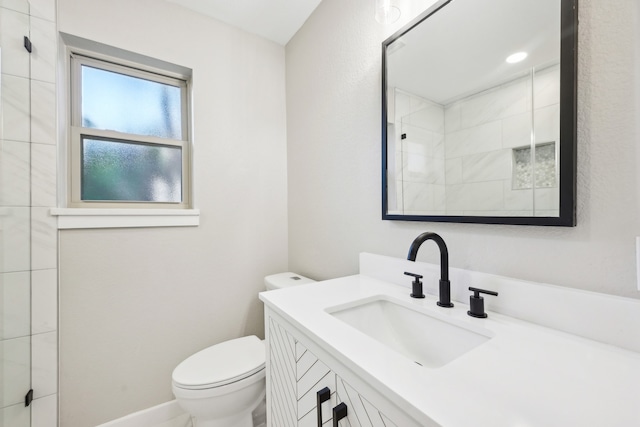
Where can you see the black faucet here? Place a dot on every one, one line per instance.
(445, 285)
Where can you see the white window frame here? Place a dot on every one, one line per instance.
(73, 213)
(78, 133)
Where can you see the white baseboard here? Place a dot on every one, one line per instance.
(160, 415)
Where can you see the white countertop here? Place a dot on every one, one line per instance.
(526, 375)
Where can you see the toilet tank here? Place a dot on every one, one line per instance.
(284, 280)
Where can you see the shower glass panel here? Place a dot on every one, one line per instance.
(15, 213)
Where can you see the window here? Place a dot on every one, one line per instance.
(129, 140)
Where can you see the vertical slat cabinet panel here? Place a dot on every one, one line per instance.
(282, 350)
(312, 375)
(360, 412)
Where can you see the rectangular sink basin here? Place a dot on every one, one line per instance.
(427, 338)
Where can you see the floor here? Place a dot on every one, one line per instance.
(183, 420)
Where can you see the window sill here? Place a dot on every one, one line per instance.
(77, 218)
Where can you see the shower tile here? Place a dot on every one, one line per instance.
(517, 200)
(17, 5)
(516, 131)
(15, 108)
(44, 241)
(14, 173)
(417, 196)
(489, 166)
(45, 9)
(418, 168)
(482, 196)
(44, 301)
(452, 119)
(15, 58)
(497, 103)
(453, 171)
(43, 175)
(44, 411)
(547, 199)
(44, 356)
(43, 57)
(15, 244)
(547, 124)
(547, 87)
(15, 309)
(15, 416)
(479, 139)
(43, 112)
(15, 363)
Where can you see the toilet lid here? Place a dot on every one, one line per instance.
(221, 364)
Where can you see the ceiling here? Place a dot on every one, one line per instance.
(275, 20)
(461, 49)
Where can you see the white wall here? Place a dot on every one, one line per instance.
(136, 302)
(333, 128)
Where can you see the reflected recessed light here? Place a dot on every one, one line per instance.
(516, 57)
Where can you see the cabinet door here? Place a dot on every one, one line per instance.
(312, 375)
(360, 413)
(294, 378)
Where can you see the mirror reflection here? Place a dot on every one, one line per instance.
(473, 111)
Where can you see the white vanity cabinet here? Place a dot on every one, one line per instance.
(295, 375)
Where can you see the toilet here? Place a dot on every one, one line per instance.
(224, 385)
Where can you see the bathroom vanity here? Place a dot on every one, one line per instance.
(544, 356)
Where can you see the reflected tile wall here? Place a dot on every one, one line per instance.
(481, 132)
(420, 157)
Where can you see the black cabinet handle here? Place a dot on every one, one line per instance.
(322, 396)
(339, 412)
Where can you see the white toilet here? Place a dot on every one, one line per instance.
(224, 385)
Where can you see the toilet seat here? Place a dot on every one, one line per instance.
(221, 364)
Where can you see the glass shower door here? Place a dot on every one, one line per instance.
(15, 265)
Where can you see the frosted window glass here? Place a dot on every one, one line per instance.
(123, 171)
(113, 101)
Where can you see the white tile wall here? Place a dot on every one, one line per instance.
(44, 239)
(13, 26)
(16, 366)
(14, 173)
(44, 364)
(15, 307)
(44, 411)
(44, 55)
(487, 166)
(420, 166)
(516, 131)
(481, 132)
(45, 9)
(44, 301)
(15, 108)
(43, 113)
(479, 139)
(43, 175)
(28, 236)
(15, 416)
(14, 239)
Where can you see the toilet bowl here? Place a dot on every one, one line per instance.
(224, 385)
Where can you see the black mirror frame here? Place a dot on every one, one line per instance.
(568, 128)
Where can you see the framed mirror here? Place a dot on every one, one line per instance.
(479, 114)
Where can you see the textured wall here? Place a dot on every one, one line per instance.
(333, 129)
(136, 302)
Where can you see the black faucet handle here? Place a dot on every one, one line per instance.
(476, 302)
(416, 285)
